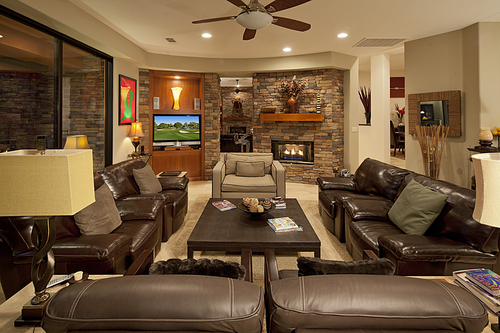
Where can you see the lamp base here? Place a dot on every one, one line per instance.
(136, 142)
(31, 314)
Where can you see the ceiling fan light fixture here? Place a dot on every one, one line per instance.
(254, 20)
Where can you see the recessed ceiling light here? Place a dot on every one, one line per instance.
(342, 35)
(206, 35)
(177, 77)
(287, 49)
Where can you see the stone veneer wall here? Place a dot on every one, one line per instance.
(212, 122)
(144, 106)
(228, 97)
(328, 135)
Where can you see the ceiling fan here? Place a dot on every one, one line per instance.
(255, 16)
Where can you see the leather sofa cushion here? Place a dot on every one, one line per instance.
(372, 303)
(174, 183)
(432, 249)
(232, 158)
(140, 209)
(416, 208)
(146, 180)
(336, 183)
(366, 233)
(100, 217)
(375, 177)
(456, 216)
(371, 208)
(180, 303)
(141, 232)
(233, 183)
(120, 179)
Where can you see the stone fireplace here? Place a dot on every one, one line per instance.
(293, 151)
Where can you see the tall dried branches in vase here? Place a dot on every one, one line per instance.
(365, 95)
(432, 140)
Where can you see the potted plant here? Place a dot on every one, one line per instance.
(366, 98)
(292, 89)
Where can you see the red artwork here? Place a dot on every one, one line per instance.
(127, 98)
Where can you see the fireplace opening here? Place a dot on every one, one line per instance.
(301, 152)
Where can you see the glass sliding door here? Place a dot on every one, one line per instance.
(52, 85)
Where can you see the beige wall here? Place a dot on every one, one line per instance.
(466, 60)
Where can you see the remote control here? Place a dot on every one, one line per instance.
(59, 280)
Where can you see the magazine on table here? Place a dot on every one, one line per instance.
(283, 224)
(278, 202)
(485, 279)
(490, 301)
(223, 205)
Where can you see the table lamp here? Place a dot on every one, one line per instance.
(135, 133)
(60, 182)
(76, 142)
(487, 209)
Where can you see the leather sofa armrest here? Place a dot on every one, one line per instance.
(139, 209)
(270, 266)
(336, 183)
(140, 266)
(174, 183)
(218, 174)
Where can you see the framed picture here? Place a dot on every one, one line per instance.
(127, 98)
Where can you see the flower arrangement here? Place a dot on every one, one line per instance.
(365, 95)
(293, 88)
(400, 112)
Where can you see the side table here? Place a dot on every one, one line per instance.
(145, 157)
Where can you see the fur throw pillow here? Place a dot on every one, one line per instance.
(213, 267)
(316, 266)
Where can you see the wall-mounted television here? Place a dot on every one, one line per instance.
(176, 129)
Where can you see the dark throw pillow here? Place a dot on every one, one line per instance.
(146, 180)
(416, 208)
(316, 266)
(202, 266)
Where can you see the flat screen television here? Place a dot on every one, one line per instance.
(176, 129)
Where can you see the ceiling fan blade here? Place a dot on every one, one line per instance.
(291, 24)
(278, 5)
(239, 3)
(215, 19)
(249, 34)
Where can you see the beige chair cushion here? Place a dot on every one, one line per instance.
(233, 183)
(101, 217)
(231, 160)
(250, 169)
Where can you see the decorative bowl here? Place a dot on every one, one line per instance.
(244, 208)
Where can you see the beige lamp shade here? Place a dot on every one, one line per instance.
(135, 130)
(61, 182)
(487, 170)
(77, 142)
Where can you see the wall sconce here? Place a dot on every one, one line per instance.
(135, 133)
(176, 91)
(76, 142)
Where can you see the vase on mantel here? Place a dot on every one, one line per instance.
(368, 116)
(292, 104)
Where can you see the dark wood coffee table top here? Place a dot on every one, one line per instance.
(233, 230)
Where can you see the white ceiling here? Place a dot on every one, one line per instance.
(148, 22)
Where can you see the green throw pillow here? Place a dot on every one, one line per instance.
(416, 208)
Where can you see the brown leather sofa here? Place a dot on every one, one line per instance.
(141, 229)
(120, 180)
(366, 303)
(356, 210)
(159, 303)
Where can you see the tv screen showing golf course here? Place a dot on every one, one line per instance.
(176, 128)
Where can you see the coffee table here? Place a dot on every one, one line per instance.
(233, 230)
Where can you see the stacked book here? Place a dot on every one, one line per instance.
(283, 224)
(278, 202)
(223, 205)
(482, 283)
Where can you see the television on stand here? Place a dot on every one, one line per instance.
(176, 130)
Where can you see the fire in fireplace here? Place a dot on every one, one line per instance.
(301, 152)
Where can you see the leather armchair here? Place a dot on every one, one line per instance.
(227, 183)
(366, 303)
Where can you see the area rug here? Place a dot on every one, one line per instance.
(331, 248)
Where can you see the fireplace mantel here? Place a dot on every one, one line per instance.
(291, 117)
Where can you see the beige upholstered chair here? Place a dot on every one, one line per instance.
(239, 175)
